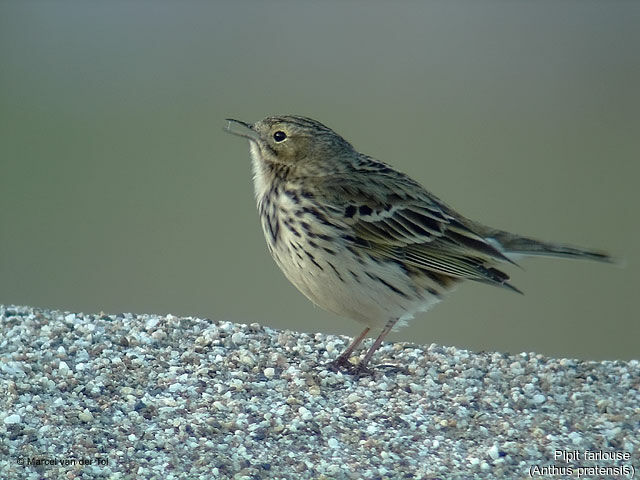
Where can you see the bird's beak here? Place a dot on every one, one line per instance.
(241, 129)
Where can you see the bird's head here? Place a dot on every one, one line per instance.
(301, 144)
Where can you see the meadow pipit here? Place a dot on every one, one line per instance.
(361, 239)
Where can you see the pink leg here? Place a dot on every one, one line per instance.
(362, 366)
(343, 359)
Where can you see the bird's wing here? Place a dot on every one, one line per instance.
(395, 218)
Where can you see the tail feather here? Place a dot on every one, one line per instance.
(518, 245)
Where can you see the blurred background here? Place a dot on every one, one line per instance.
(120, 191)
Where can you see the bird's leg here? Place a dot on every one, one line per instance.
(343, 359)
(361, 368)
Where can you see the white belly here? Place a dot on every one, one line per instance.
(371, 292)
(358, 288)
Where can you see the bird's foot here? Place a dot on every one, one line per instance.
(340, 364)
(361, 371)
(343, 365)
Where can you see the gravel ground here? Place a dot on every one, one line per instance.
(150, 396)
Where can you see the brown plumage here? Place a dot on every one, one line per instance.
(363, 240)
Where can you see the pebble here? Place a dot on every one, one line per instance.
(63, 369)
(12, 419)
(493, 452)
(214, 399)
(539, 398)
(575, 438)
(238, 338)
(85, 416)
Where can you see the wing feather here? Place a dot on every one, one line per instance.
(417, 229)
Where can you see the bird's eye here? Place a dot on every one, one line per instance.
(279, 136)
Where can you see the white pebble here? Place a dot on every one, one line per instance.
(152, 323)
(63, 368)
(305, 414)
(612, 433)
(493, 452)
(269, 372)
(576, 438)
(12, 368)
(85, 415)
(12, 419)
(416, 388)
(333, 443)
(246, 358)
(539, 398)
(238, 338)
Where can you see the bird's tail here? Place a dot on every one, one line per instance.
(515, 245)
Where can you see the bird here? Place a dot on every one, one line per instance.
(363, 240)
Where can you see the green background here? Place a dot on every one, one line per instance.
(120, 191)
